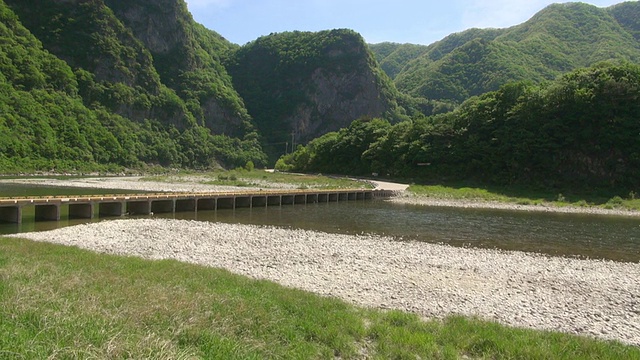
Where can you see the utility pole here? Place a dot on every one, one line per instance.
(293, 141)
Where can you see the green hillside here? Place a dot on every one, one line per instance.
(108, 84)
(628, 16)
(558, 39)
(88, 97)
(394, 57)
(300, 85)
(188, 58)
(578, 132)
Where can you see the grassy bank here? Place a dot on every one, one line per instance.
(61, 302)
(529, 196)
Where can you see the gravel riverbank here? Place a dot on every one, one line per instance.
(479, 204)
(129, 183)
(588, 297)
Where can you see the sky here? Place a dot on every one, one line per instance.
(401, 21)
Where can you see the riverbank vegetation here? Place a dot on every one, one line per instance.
(63, 302)
(522, 195)
(579, 132)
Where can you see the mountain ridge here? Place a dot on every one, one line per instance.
(558, 39)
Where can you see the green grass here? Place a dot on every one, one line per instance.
(261, 178)
(527, 196)
(61, 302)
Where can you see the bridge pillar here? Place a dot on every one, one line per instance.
(258, 201)
(243, 202)
(111, 208)
(288, 199)
(206, 204)
(81, 211)
(47, 212)
(300, 199)
(312, 198)
(162, 206)
(11, 214)
(274, 200)
(139, 207)
(226, 203)
(185, 205)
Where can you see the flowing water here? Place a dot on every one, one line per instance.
(593, 236)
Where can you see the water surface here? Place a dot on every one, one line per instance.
(557, 234)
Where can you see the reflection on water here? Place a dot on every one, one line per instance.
(606, 237)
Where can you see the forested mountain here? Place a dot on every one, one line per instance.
(116, 109)
(394, 57)
(300, 85)
(106, 84)
(558, 39)
(158, 83)
(628, 16)
(189, 59)
(578, 132)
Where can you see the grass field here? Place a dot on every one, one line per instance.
(64, 303)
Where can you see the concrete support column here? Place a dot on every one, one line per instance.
(112, 208)
(81, 211)
(162, 206)
(225, 203)
(47, 212)
(274, 200)
(312, 198)
(206, 204)
(11, 214)
(183, 205)
(288, 200)
(139, 207)
(258, 201)
(243, 202)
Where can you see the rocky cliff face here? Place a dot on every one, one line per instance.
(186, 54)
(302, 85)
(335, 100)
(86, 35)
(143, 45)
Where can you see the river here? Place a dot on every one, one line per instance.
(580, 235)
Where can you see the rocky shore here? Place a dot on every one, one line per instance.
(587, 297)
(135, 183)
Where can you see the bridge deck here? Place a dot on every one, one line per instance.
(47, 208)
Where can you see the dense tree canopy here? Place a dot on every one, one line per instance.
(55, 118)
(581, 130)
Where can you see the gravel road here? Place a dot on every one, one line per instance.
(587, 297)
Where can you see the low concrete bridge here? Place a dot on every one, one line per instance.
(84, 207)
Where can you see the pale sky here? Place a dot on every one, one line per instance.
(401, 21)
